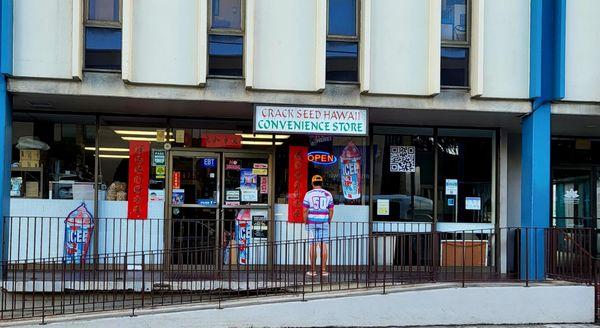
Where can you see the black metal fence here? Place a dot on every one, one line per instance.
(132, 265)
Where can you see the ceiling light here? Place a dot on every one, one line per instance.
(113, 156)
(139, 138)
(138, 132)
(108, 149)
(262, 136)
(255, 136)
(260, 143)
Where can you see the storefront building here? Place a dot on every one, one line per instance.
(203, 130)
(205, 184)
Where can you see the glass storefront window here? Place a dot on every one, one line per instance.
(246, 180)
(403, 181)
(50, 160)
(341, 161)
(466, 166)
(404, 168)
(115, 137)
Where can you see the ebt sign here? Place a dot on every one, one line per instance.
(310, 120)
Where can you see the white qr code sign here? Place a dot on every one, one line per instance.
(402, 159)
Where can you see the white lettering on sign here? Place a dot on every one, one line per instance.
(310, 120)
(77, 236)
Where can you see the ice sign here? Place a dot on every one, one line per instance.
(350, 161)
(79, 226)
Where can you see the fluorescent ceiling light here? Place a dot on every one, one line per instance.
(119, 150)
(262, 136)
(113, 156)
(145, 139)
(255, 136)
(261, 143)
(136, 132)
(139, 138)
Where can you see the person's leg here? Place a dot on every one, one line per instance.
(324, 256)
(313, 256)
(324, 246)
(312, 247)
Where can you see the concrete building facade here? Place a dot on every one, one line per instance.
(498, 101)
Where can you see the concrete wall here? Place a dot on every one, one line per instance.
(401, 47)
(47, 38)
(505, 48)
(167, 41)
(582, 67)
(284, 45)
(287, 44)
(444, 306)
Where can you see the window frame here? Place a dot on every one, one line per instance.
(346, 38)
(102, 23)
(460, 45)
(467, 42)
(227, 31)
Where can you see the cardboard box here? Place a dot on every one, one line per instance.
(29, 163)
(32, 189)
(29, 155)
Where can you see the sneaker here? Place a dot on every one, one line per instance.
(325, 273)
(311, 273)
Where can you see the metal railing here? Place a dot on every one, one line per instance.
(133, 265)
(573, 257)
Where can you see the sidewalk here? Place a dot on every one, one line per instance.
(425, 305)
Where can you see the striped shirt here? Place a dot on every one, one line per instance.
(318, 202)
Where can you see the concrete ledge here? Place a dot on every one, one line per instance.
(233, 90)
(431, 304)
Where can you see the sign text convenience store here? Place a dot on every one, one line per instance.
(310, 120)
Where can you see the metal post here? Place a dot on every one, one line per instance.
(526, 257)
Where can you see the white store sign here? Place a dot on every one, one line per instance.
(310, 120)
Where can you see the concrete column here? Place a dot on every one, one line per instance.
(6, 9)
(547, 72)
(535, 191)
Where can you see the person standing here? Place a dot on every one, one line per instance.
(318, 213)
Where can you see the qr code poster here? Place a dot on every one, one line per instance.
(402, 159)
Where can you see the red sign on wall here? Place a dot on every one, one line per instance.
(139, 174)
(297, 183)
(221, 140)
(176, 179)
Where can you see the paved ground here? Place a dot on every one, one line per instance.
(408, 304)
(148, 323)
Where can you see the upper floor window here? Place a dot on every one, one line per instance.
(342, 41)
(455, 43)
(103, 35)
(226, 38)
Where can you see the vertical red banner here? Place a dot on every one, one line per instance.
(139, 175)
(297, 182)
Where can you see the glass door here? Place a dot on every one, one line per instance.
(572, 198)
(247, 225)
(194, 199)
